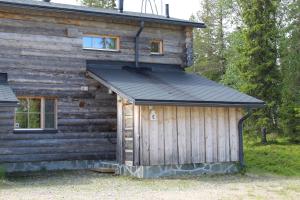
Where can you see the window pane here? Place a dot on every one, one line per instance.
(49, 105)
(35, 105)
(23, 107)
(155, 47)
(87, 42)
(111, 43)
(21, 120)
(34, 120)
(49, 113)
(98, 43)
(49, 121)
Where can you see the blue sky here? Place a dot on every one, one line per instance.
(182, 9)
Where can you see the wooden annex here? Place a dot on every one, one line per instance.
(178, 134)
(116, 103)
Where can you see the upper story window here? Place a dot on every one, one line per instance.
(36, 113)
(101, 42)
(156, 47)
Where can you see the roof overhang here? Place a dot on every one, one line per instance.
(44, 6)
(9, 104)
(7, 96)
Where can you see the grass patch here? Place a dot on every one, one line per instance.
(279, 157)
(2, 174)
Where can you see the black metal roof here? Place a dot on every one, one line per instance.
(166, 84)
(7, 96)
(99, 12)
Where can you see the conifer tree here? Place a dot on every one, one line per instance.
(259, 70)
(290, 71)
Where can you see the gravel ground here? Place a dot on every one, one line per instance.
(91, 185)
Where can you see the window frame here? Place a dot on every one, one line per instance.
(42, 113)
(161, 47)
(117, 38)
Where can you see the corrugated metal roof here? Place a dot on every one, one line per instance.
(100, 12)
(171, 86)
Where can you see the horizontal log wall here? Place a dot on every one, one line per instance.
(184, 135)
(43, 57)
(55, 147)
(49, 31)
(42, 54)
(6, 119)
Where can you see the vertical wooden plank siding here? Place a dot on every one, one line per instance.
(215, 133)
(136, 133)
(208, 134)
(174, 135)
(119, 130)
(153, 142)
(161, 135)
(183, 135)
(202, 134)
(221, 136)
(145, 154)
(168, 134)
(188, 135)
(182, 146)
(233, 126)
(195, 135)
(227, 135)
(171, 150)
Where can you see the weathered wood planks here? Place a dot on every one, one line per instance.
(190, 135)
(43, 56)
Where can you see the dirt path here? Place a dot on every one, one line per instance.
(89, 185)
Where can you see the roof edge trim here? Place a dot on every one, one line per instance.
(199, 103)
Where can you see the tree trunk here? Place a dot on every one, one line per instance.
(264, 136)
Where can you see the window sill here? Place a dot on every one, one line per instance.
(35, 131)
(104, 50)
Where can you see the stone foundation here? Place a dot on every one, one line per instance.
(58, 165)
(177, 170)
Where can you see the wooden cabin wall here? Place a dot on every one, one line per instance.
(125, 132)
(6, 119)
(43, 56)
(184, 135)
(50, 31)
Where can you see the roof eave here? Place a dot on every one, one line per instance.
(200, 103)
(116, 15)
(9, 103)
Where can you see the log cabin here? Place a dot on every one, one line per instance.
(87, 88)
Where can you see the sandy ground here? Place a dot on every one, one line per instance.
(90, 185)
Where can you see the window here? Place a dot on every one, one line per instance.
(108, 43)
(156, 47)
(36, 113)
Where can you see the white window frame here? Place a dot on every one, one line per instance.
(42, 125)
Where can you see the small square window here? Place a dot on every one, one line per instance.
(156, 47)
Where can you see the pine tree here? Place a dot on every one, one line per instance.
(99, 3)
(210, 43)
(290, 68)
(259, 69)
